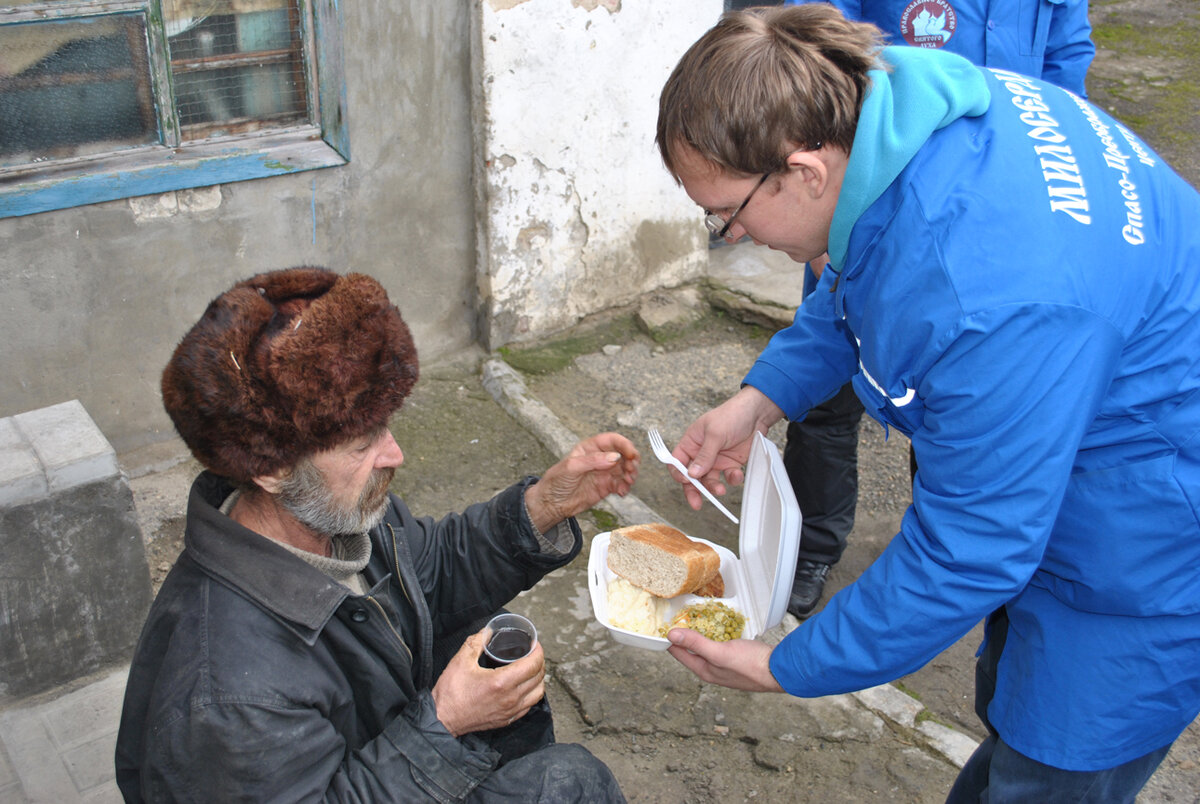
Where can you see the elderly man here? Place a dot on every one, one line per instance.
(1013, 283)
(315, 640)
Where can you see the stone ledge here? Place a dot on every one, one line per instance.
(21, 475)
(74, 583)
(49, 450)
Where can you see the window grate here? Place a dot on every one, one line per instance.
(237, 65)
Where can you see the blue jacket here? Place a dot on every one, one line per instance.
(1018, 289)
(1048, 39)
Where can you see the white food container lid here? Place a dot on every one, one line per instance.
(758, 581)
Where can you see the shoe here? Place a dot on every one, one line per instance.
(807, 588)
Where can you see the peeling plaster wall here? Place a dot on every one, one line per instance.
(576, 212)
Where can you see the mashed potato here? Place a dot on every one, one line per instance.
(634, 609)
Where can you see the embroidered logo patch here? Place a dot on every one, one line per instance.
(928, 23)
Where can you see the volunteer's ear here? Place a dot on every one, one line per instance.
(811, 169)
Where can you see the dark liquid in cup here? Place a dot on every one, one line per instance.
(506, 645)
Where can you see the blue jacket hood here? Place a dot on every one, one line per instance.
(924, 91)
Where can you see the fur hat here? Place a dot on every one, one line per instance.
(285, 364)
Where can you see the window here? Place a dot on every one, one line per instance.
(106, 99)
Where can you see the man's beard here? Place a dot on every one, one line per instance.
(306, 496)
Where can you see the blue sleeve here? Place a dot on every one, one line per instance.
(806, 363)
(1007, 402)
(1069, 47)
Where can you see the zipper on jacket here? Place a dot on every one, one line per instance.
(383, 611)
(396, 567)
(392, 628)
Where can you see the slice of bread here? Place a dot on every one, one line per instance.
(663, 561)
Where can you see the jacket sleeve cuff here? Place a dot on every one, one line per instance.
(559, 540)
(551, 550)
(445, 766)
(780, 389)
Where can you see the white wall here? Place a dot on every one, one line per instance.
(577, 213)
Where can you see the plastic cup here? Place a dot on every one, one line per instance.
(513, 637)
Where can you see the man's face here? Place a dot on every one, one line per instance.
(344, 489)
(782, 214)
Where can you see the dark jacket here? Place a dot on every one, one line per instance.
(257, 677)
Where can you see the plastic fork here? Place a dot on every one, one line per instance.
(663, 454)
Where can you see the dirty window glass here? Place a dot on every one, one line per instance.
(92, 88)
(74, 87)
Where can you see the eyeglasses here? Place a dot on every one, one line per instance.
(718, 225)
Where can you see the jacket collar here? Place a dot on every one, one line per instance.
(299, 595)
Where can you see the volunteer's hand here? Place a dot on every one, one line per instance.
(473, 698)
(718, 443)
(740, 664)
(597, 467)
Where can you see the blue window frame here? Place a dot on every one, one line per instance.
(109, 99)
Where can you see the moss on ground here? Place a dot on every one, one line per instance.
(553, 355)
(603, 519)
(1156, 91)
(556, 354)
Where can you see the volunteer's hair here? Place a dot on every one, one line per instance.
(765, 77)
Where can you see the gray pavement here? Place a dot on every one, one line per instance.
(474, 425)
(59, 747)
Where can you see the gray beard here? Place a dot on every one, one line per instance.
(305, 495)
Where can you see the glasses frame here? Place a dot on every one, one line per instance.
(718, 225)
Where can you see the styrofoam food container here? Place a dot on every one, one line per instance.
(758, 580)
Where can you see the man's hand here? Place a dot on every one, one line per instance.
(740, 664)
(597, 467)
(473, 698)
(718, 443)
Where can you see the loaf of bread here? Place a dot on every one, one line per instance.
(664, 562)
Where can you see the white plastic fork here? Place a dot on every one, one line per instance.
(663, 454)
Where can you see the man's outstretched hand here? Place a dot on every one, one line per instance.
(597, 467)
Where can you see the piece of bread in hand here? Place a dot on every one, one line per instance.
(663, 561)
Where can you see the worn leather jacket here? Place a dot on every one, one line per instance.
(259, 678)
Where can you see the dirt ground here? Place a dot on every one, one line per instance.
(1147, 74)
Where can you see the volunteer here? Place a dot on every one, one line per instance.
(1014, 282)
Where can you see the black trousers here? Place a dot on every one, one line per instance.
(821, 458)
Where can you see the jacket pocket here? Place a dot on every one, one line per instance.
(1126, 542)
(905, 413)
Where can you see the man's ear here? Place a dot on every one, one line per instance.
(271, 483)
(811, 170)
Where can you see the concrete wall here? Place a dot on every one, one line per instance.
(577, 211)
(93, 299)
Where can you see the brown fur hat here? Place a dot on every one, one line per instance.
(285, 364)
